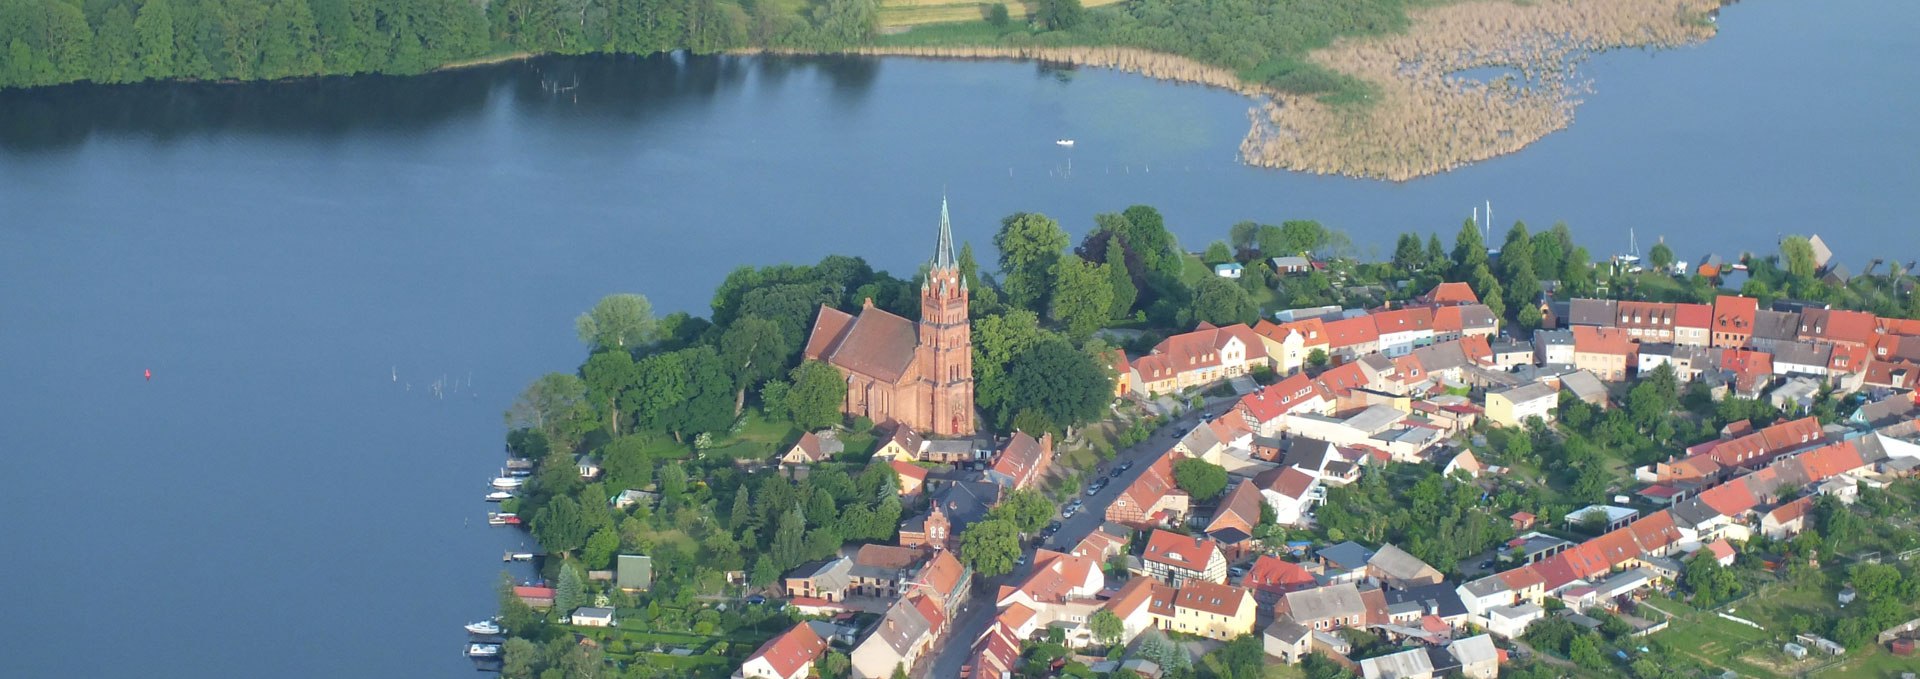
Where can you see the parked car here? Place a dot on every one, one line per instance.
(1069, 512)
(1237, 571)
(1126, 466)
(1094, 489)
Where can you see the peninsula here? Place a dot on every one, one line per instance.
(1124, 459)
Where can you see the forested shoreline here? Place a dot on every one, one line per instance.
(52, 42)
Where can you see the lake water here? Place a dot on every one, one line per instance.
(298, 264)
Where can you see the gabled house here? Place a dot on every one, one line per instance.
(789, 655)
(1215, 611)
(1350, 337)
(825, 580)
(1401, 330)
(1271, 577)
(1152, 499)
(813, 448)
(905, 631)
(1289, 345)
(1206, 356)
(1023, 462)
(1328, 608)
(1605, 352)
(1394, 567)
(1289, 491)
(1733, 319)
(1177, 559)
(1693, 324)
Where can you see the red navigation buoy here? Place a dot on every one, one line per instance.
(149, 374)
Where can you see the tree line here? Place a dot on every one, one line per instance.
(50, 42)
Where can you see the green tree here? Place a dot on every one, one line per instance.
(609, 375)
(153, 39)
(1661, 256)
(1217, 253)
(571, 592)
(706, 404)
(1106, 627)
(1242, 658)
(990, 547)
(520, 659)
(560, 526)
(516, 616)
(1060, 15)
(1708, 581)
(815, 398)
(1317, 358)
(115, 47)
(757, 351)
(555, 405)
(1245, 236)
(601, 546)
(1798, 252)
(1219, 302)
(1060, 382)
(620, 320)
(789, 539)
(1029, 244)
(1121, 282)
(1201, 479)
(1407, 255)
(1082, 298)
(1146, 235)
(1469, 253)
(996, 15)
(1583, 651)
(1026, 509)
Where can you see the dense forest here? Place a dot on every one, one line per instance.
(49, 42)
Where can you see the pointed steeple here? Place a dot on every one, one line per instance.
(943, 253)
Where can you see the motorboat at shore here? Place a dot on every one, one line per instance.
(484, 627)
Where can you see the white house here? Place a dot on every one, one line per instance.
(788, 656)
(1553, 347)
(1289, 491)
(1403, 329)
(1228, 270)
(590, 616)
(1511, 621)
(1512, 407)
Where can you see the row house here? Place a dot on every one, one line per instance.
(905, 631)
(1733, 318)
(1802, 358)
(1203, 357)
(1290, 345)
(1772, 328)
(1401, 330)
(1351, 337)
(1692, 324)
(1262, 412)
(1646, 321)
(1152, 499)
(1688, 361)
(1334, 607)
(1465, 320)
(1605, 352)
(1215, 611)
(1553, 347)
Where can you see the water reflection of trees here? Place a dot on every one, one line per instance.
(627, 88)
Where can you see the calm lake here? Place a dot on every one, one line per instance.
(301, 264)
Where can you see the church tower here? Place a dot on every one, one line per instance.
(945, 349)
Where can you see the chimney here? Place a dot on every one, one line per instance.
(868, 303)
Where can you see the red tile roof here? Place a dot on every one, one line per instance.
(791, 650)
(1313, 331)
(1279, 398)
(1522, 578)
(1207, 597)
(1617, 547)
(908, 470)
(1588, 339)
(877, 344)
(1793, 510)
(1734, 314)
(1343, 380)
(1836, 325)
(1274, 574)
(1692, 315)
(1180, 551)
(1654, 531)
(1352, 332)
(1450, 293)
(1730, 499)
(1024, 458)
(1412, 319)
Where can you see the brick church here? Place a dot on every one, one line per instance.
(898, 371)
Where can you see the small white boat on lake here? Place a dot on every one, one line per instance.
(484, 627)
(483, 650)
(518, 556)
(499, 496)
(1064, 142)
(507, 483)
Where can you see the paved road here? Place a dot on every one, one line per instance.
(973, 622)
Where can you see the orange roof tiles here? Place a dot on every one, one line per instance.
(1692, 315)
(1595, 340)
(1734, 314)
(1180, 551)
(791, 650)
(1654, 531)
(1273, 574)
(1450, 293)
(1207, 597)
(1730, 499)
(1352, 332)
(1617, 547)
(1412, 319)
(1279, 398)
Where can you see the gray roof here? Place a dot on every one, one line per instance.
(1473, 649)
(1656, 349)
(1287, 631)
(592, 612)
(1802, 353)
(1780, 326)
(1529, 392)
(1442, 356)
(1486, 586)
(1326, 603)
(1375, 418)
(1201, 439)
(1519, 610)
(1625, 581)
(1477, 316)
(1885, 411)
(635, 571)
(947, 446)
(1509, 347)
(901, 628)
(1396, 563)
(1444, 598)
(1564, 337)
(1584, 385)
(1309, 454)
(1692, 512)
(1347, 555)
(1411, 663)
(828, 575)
(1600, 312)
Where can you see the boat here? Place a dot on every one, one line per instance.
(499, 496)
(507, 483)
(484, 627)
(518, 556)
(1064, 142)
(483, 650)
(502, 519)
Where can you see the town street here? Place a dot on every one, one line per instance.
(973, 621)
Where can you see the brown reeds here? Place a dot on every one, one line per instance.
(1423, 119)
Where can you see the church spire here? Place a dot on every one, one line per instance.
(943, 253)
